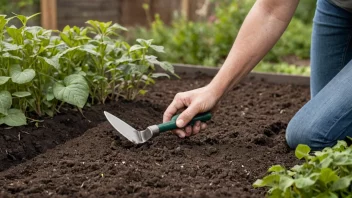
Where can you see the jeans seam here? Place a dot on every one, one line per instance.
(334, 124)
(345, 50)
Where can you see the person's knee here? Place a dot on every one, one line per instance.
(292, 136)
(299, 131)
(302, 130)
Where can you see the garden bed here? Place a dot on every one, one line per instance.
(244, 138)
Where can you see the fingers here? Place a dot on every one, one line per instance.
(196, 127)
(180, 133)
(203, 126)
(190, 130)
(176, 104)
(186, 116)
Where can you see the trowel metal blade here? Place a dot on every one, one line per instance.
(124, 129)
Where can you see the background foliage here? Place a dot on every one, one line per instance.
(208, 42)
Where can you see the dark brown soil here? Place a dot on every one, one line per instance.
(22, 143)
(244, 138)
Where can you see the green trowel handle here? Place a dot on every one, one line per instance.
(172, 124)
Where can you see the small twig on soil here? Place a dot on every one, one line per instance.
(80, 110)
(34, 120)
(25, 132)
(10, 155)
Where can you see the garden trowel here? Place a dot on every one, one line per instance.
(139, 137)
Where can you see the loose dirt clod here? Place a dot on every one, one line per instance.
(222, 161)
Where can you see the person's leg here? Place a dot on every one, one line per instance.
(327, 117)
(331, 47)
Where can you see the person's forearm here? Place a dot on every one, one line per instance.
(261, 29)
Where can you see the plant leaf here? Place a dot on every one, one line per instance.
(276, 168)
(136, 47)
(285, 182)
(91, 49)
(304, 182)
(145, 43)
(24, 19)
(50, 94)
(15, 117)
(4, 79)
(158, 75)
(66, 39)
(59, 55)
(21, 77)
(142, 92)
(21, 94)
(167, 67)
(16, 34)
(53, 61)
(327, 195)
(5, 102)
(116, 26)
(8, 55)
(10, 47)
(342, 183)
(327, 175)
(326, 162)
(74, 90)
(158, 48)
(269, 180)
(302, 151)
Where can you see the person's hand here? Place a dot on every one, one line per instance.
(193, 102)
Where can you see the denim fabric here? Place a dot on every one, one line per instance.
(327, 117)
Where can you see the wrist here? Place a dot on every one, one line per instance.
(216, 89)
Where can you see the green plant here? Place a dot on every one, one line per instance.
(209, 42)
(282, 68)
(295, 41)
(138, 66)
(15, 5)
(30, 73)
(112, 67)
(326, 173)
(39, 71)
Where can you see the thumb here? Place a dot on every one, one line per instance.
(186, 116)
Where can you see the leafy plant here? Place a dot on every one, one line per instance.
(326, 173)
(112, 67)
(30, 70)
(40, 72)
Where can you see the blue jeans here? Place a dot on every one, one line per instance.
(327, 117)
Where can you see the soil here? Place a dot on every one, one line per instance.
(245, 137)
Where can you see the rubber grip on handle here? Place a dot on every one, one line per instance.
(171, 125)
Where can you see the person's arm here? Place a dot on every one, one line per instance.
(261, 29)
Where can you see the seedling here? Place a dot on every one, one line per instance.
(326, 173)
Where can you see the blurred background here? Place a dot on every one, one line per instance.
(198, 32)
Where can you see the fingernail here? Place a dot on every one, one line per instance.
(180, 123)
(182, 135)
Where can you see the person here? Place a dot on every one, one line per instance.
(327, 117)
